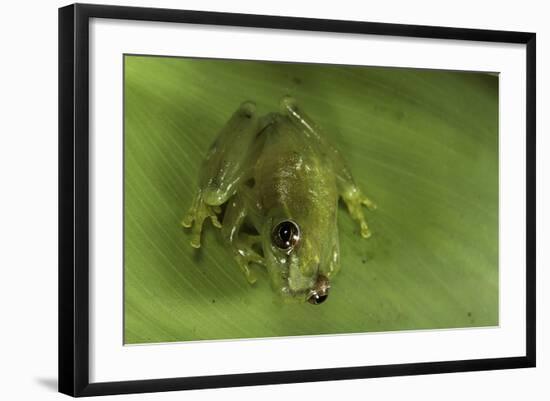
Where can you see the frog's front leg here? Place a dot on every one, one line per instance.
(241, 244)
(222, 169)
(349, 192)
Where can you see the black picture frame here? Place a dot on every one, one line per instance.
(74, 194)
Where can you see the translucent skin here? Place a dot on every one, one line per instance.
(275, 169)
(296, 182)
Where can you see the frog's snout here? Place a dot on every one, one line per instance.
(319, 293)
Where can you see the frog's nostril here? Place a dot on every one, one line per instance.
(316, 299)
(321, 298)
(319, 293)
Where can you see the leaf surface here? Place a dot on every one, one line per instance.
(423, 144)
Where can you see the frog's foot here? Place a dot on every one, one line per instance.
(354, 201)
(194, 219)
(243, 260)
(245, 254)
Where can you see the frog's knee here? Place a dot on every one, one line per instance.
(248, 109)
(213, 196)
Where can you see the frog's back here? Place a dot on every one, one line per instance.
(294, 174)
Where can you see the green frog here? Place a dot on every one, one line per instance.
(272, 184)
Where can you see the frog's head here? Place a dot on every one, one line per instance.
(294, 261)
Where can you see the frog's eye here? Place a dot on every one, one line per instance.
(286, 235)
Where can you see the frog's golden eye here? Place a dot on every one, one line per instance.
(286, 235)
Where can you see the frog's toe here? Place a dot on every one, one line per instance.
(244, 258)
(187, 221)
(365, 231)
(245, 268)
(369, 203)
(215, 221)
(196, 224)
(195, 220)
(196, 236)
(250, 276)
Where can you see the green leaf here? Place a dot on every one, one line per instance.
(422, 144)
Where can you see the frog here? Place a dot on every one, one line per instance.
(272, 184)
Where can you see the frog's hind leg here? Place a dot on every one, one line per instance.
(222, 169)
(241, 244)
(349, 192)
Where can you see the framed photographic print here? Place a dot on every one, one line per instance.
(249, 199)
